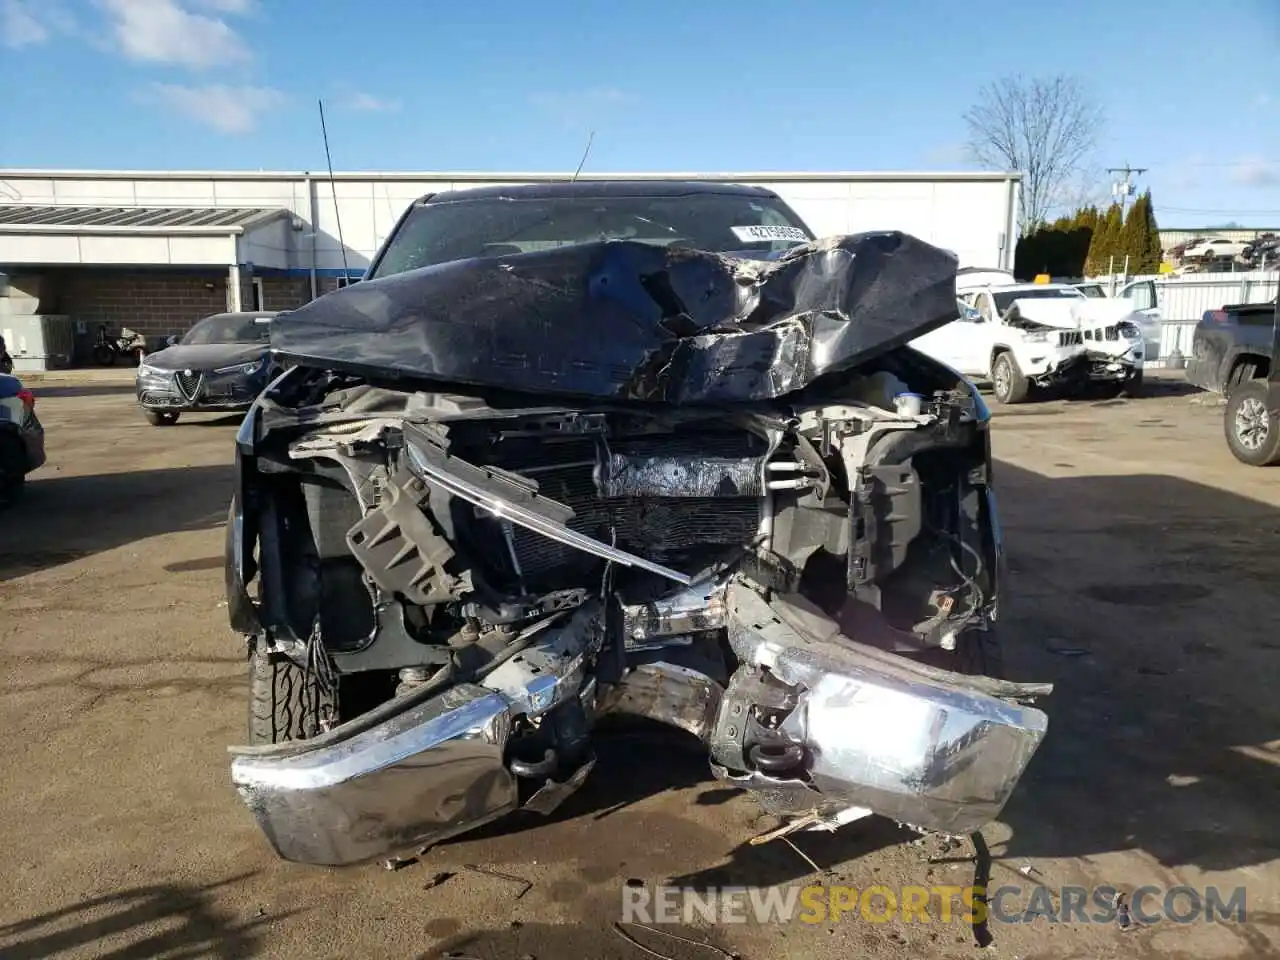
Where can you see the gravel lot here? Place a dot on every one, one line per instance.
(1143, 562)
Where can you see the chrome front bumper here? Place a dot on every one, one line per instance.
(426, 774)
(927, 747)
(862, 728)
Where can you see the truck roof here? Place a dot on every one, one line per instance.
(558, 189)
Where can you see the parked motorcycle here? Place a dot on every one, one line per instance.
(108, 348)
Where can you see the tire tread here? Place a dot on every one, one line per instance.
(284, 702)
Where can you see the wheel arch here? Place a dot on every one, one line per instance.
(1240, 356)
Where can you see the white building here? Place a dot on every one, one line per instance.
(156, 251)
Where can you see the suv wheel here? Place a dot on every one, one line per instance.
(1253, 430)
(1007, 381)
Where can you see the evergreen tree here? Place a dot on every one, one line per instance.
(1153, 254)
(1133, 240)
(1106, 240)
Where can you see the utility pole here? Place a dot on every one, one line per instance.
(1123, 189)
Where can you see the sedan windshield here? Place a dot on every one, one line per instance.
(500, 226)
(230, 328)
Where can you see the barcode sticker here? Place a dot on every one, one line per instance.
(760, 232)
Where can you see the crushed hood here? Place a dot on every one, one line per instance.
(1074, 313)
(621, 320)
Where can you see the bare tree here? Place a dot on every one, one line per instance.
(1043, 128)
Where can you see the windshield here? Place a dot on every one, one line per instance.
(496, 226)
(1004, 300)
(229, 328)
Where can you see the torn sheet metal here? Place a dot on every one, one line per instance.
(696, 608)
(669, 693)
(623, 320)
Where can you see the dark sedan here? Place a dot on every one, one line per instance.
(221, 365)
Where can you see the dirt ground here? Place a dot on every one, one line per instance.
(1143, 561)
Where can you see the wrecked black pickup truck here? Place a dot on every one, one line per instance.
(604, 448)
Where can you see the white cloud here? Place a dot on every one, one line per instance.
(232, 7)
(19, 26)
(161, 31)
(1256, 172)
(233, 110)
(368, 103)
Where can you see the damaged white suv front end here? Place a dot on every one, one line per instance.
(795, 562)
(1105, 331)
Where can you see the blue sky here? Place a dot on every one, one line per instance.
(1191, 89)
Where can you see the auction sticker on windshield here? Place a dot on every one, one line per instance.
(761, 232)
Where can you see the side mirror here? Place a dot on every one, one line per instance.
(171, 340)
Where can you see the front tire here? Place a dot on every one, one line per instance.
(104, 356)
(1133, 385)
(160, 418)
(1007, 382)
(286, 702)
(1252, 428)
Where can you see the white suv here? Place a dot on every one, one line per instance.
(1017, 336)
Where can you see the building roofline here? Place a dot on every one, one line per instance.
(253, 219)
(65, 230)
(1218, 229)
(473, 176)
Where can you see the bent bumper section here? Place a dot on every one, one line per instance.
(1112, 368)
(1055, 370)
(814, 723)
(430, 772)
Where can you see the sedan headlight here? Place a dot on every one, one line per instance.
(146, 370)
(242, 368)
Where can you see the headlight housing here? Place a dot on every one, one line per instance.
(146, 370)
(242, 368)
(1036, 336)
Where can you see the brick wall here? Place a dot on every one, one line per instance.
(156, 303)
(151, 302)
(285, 293)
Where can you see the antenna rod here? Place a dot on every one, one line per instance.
(590, 137)
(333, 188)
